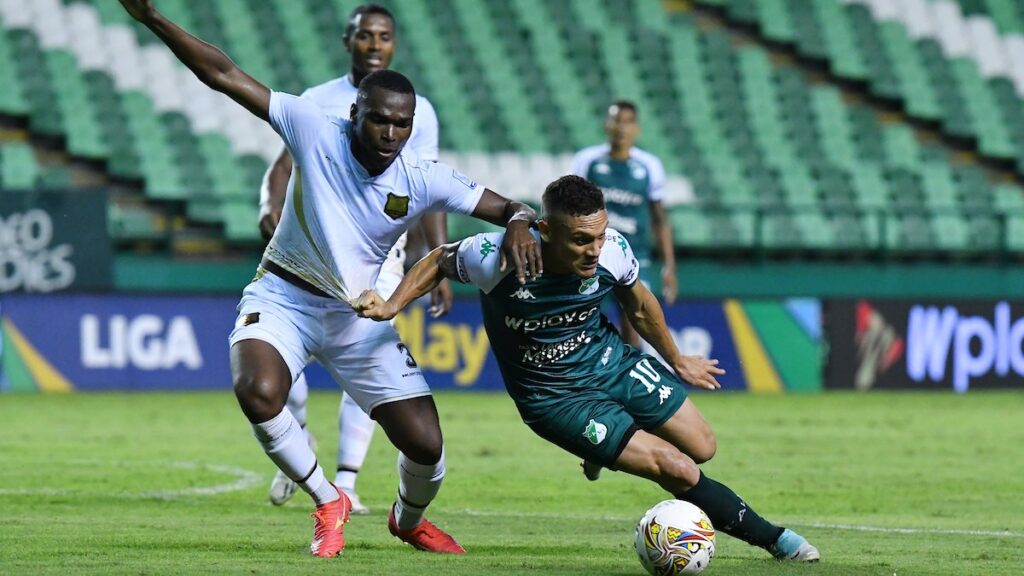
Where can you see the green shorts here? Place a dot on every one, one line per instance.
(596, 419)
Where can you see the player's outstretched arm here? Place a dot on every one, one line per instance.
(644, 312)
(435, 230)
(272, 193)
(209, 64)
(663, 234)
(439, 264)
(519, 247)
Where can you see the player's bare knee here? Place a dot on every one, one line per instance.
(706, 449)
(677, 472)
(423, 455)
(260, 398)
(425, 449)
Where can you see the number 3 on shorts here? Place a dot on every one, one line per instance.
(409, 361)
(646, 374)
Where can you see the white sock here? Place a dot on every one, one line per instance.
(355, 430)
(418, 484)
(285, 442)
(297, 398)
(346, 480)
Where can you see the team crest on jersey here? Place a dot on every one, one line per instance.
(595, 432)
(396, 206)
(248, 319)
(589, 285)
(638, 170)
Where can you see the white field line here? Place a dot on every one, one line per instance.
(819, 525)
(243, 480)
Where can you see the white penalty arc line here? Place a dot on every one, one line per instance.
(818, 525)
(243, 480)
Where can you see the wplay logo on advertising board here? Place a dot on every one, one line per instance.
(899, 344)
(973, 346)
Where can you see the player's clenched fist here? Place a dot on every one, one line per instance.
(522, 250)
(141, 10)
(370, 305)
(699, 371)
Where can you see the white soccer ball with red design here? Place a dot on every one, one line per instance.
(675, 537)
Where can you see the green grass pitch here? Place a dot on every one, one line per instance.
(883, 484)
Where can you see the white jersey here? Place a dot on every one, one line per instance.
(337, 96)
(339, 222)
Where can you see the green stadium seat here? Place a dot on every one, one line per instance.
(690, 229)
(529, 76)
(128, 222)
(951, 232)
(19, 169)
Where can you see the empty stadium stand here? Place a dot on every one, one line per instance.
(763, 159)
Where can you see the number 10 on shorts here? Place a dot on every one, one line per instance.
(645, 374)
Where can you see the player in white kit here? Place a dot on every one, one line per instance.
(370, 40)
(352, 193)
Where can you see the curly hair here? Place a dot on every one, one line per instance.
(386, 80)
(572, 196)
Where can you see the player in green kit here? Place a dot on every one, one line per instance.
(633, 182)
(574, 380)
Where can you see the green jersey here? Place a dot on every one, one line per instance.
(629, 188)
(549, 333)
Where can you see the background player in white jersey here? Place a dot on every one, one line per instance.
(370, 40)
(633, 182)
(352, 193)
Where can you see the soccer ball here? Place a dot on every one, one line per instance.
(675, 537)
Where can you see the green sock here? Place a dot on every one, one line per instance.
(730, 514)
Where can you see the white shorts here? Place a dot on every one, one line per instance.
(366, 358)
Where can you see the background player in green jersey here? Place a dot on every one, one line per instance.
(633, 182)
(573, 379)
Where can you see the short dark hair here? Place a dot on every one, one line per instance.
(363, 10)
(386, 80)
(624, 105)
(572, 196)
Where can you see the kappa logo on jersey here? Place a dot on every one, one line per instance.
(622, 244)
(589, 285)
(595, 432)
(397, 206)
(663, 393)
(523, 293)
(486, 249)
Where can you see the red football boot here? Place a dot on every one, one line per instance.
(328, 523)
(426, 536)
